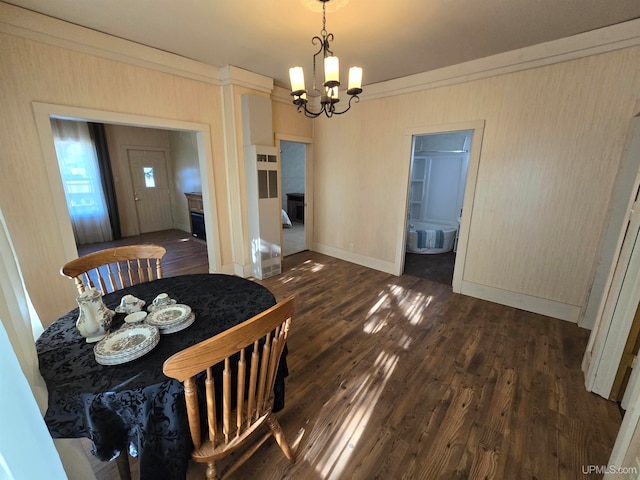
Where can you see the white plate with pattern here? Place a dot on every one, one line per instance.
(178, 326)
(126, 344)
(169, 315)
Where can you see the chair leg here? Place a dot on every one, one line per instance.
(122, 461)
(212, 473)
(278, 434)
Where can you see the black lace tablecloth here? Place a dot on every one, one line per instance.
(134, 405)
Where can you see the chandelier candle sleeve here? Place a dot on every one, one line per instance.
(296, 75)
(331, 71)
(355, 78)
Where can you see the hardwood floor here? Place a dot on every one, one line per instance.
(398, 377)
(437, 267)
(184, 255)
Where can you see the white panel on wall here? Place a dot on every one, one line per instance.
(263, 210)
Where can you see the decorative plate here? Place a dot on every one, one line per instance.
(169, 315)
(179, 326)
(152, 307)
(126, 344)
(120, 309)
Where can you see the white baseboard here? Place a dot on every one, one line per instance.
(543, 306)
(370, 262)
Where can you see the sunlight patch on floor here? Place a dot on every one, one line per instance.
(297, 272)
(413, 306)
(344, 418)
(309, 266)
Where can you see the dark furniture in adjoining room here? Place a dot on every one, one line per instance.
(295, 207)
(196, 215)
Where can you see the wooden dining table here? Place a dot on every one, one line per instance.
(133, 407)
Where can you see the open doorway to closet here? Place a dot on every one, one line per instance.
(293, 159)
(438, 174)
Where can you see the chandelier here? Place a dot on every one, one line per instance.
(329, 94)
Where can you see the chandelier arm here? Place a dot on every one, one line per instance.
(308, 113)
(328, 108)
(355, 98)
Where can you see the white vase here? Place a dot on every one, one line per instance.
(95, 318)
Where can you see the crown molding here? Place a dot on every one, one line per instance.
(281, 95)
(603, 40)
(35, 26)
(244, 78)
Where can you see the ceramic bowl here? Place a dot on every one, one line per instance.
(135, 317)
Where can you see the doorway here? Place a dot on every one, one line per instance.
(199, 142)
(437, 180)
(293, 174)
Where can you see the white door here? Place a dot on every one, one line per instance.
(616, 288)
(150, 182)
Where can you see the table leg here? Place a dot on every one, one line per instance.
(122, 461)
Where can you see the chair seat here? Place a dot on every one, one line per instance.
(208, 451)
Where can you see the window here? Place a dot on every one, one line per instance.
(149, 180)
(82, 182)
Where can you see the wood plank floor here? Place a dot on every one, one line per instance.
(399, 378)
(184, 255)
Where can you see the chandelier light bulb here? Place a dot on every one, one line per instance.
(332, 93)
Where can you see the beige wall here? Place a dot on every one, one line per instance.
(552, 143)
(32, 71)
(287, 121)
(186, 175)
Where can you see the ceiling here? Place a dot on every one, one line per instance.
(388, 38)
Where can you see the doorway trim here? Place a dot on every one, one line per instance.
(308, 184)
(477, 126)
(44, 111)
(614, 298)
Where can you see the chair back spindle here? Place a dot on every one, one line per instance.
(116, 268)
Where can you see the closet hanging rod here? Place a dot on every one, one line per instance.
(440, 151)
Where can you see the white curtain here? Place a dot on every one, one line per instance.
(81, 180)
(23, 400)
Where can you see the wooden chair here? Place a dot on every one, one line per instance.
(265, 335)
(120, 266)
